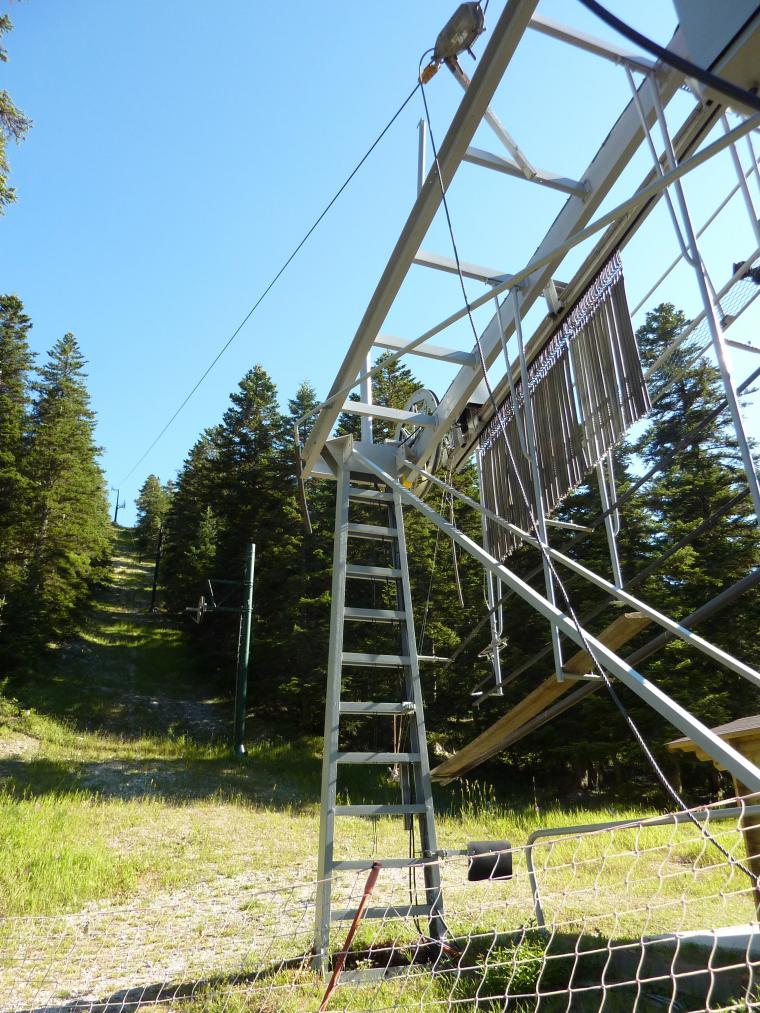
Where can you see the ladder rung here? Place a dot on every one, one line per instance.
(403, 911)
(372, 572)
(371, 531)
(359, 864)
(366, 707)
(378, 758)
(404, 809)
(374, 495)
(374, 615)
(375, 660)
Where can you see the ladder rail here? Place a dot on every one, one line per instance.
(412, 760)
(328, 794)
(418, 734)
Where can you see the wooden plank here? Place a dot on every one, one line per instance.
(490, 742)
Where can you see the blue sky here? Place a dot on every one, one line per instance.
(181, 149)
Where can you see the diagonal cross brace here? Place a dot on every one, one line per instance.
(678, 716)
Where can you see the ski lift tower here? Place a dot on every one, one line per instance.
(546, 418)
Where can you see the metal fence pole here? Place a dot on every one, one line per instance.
(241, 687)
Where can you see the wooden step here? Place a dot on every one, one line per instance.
(367, 707)
(378, 758)
(374, 615)
(375, 660)
(359, 572)
(370, 531)
(491, 741)
(404, 809)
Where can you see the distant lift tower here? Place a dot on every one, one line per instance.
(382, 576)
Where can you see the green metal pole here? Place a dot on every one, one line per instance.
(241, 686)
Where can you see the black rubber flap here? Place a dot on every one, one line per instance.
(489, 860)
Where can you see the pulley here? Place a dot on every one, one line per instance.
(457, 36)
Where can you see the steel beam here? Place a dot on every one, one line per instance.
(489, 275)
(501, 47)
(391, 414)
(590, 43)
(427, 351)
(487, 160)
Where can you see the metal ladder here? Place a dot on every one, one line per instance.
(416, 794)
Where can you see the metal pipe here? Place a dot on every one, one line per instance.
(491, 593)
(496, 125)
(540, 517)
(421, 154)
(658, 167)
(743, 184)
(609, 524)
(366, 396)
(704, 815)
(241, 684)
(716, 331)
(519, 416)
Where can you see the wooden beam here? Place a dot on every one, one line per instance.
(491, 741)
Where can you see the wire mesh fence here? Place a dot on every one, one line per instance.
(641, 916)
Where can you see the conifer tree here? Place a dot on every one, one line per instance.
(152, 507)
(15, 363)
(13, 125)
(702, 478)
(190, 551)
(69, 534)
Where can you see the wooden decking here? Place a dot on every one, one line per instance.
(491, 741)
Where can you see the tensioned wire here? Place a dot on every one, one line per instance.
(276, 278)
(661, 776)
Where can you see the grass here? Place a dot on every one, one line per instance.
(134, 848)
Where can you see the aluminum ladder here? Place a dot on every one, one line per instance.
(416, 794)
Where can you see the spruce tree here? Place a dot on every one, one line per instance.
(699, 480)
(188, 557)
(69, 534)
(15, 364)
(152, 504)
(13, 125)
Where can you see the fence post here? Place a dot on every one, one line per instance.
(241, 685)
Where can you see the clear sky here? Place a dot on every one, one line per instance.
(181, 149)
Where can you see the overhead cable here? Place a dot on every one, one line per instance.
(277, 277)
(719, 84)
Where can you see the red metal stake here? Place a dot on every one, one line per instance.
(340, 960)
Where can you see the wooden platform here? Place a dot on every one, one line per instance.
(491, 741)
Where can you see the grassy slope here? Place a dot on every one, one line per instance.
(118, 792)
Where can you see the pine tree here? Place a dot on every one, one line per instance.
(152, 507)
(13, 125)
(69, 534)
(188, 557)
(15, 363)
(702, 478)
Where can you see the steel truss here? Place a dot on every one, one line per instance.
(394, 470)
